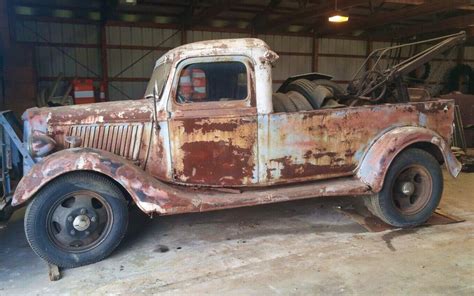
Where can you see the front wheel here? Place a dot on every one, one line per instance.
(411, 192)
(77, 219)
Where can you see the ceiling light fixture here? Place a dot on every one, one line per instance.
(338, 16)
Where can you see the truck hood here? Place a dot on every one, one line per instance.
(43, 119)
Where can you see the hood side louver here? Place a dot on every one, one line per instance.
(121, 139)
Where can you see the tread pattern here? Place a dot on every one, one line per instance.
(308, 90)
(337, 90)
(299, 101)
(277, 104)
(286, 104)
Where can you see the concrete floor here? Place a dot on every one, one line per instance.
(303, 247)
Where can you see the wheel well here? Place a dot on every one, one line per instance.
(124, 191)
(430, 148)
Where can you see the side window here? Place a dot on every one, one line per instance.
(212, 82)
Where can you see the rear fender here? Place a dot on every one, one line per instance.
(149, 194)
(382, 152)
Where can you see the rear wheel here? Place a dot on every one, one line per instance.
(76, 219)
(411, 192)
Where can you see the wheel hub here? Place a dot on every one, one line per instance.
(412, 189)
(407, 188)
(81, 222)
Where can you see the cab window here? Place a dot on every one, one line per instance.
(212, 82)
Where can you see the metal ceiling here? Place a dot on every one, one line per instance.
(368, 18)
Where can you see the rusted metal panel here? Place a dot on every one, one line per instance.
(153, 196)
(321, 144)
(215, 150)
(159, 158)
(377, 160)
(123, 128)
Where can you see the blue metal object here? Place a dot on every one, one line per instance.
(14, 156)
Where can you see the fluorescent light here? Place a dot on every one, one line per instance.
(63, 13)
(338, 18)
(24, 10)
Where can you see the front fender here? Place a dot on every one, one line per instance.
(149, 194)
(376, 161)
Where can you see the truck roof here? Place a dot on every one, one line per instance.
(252, 47)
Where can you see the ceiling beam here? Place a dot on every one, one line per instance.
(458, 22)
(385, 18)
(409, 2)
(308, 12)
(262, 17)
(207, 13)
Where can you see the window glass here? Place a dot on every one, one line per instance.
(212, 82)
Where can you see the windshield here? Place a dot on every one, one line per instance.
(157, 81)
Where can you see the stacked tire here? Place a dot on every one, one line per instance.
(304, 95)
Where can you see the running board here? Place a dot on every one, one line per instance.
(209, 200)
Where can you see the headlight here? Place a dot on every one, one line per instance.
(40, 145)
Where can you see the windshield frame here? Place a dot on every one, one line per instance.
(154, 89)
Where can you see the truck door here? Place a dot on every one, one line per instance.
(213, 122)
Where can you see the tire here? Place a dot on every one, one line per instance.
(401, 204)
(337, 90)
(76, 219)
(307, 89)
(288, 105)
(299, 101)
(277, 104)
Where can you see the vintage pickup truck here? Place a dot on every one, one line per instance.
(209, 134)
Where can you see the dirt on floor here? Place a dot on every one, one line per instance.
(302, 247)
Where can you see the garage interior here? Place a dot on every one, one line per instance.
(51, 50)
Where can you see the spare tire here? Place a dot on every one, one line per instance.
(307, 89)
(322, 94)
(337, 90)
(299, 101)
(285, 102)
(277, 104)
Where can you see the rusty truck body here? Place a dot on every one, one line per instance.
(208, 136)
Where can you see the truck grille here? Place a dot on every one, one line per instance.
(121, 139)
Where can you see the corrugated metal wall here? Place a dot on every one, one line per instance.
(469, 55)
(74, 50)
(341, 58)
(128, 45)
(70, 49)
(295, 56)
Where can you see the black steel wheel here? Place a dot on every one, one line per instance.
(412, 190)
(76, 219)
